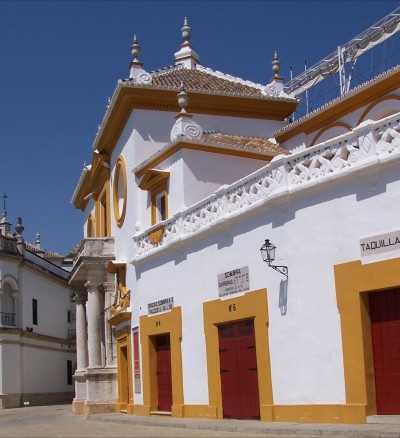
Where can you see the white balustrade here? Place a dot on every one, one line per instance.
(367, 143)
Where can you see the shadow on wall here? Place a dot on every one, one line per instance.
(283, 287)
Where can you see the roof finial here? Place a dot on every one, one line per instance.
(183, 98)
(186, 55)
(19, 228)
(275, 87)
(135, 49)
(186, 30)
(4, 205)
(276, 65)
(137, 74)
(184, 125)
(4, 224)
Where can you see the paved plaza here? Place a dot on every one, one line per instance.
(58, 421)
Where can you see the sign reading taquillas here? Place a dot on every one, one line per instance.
(379, 244)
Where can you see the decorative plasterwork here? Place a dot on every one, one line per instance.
(122, 294)
(371, 144)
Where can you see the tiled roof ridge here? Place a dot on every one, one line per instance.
(182, 138)
(237, 135)
(229, 77)
(32, 248)
(335, 100)
(164, 71)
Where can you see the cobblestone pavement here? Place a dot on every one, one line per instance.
(58, 421)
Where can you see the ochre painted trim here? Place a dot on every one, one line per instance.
(120, 170)
(142, 410)
(151, 326)
(119, 318)
(200, 411)
(154, 195)
(156, 235)
(203, 148)
(251, 305)
(123, 338)
(130, 98)
(341, 414)
(102, 231)
(353, 283)
(326, 128)
(375, 103)
(349, 103)
(153, 178)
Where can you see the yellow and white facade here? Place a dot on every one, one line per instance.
(192, 170)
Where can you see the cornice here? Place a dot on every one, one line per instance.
(130, 97)
(184, 143)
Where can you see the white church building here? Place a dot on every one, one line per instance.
(178, 311)
(37, 322)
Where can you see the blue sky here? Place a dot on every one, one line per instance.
(60, 61)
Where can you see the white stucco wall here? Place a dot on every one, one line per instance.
(313, 230)
(53, 301)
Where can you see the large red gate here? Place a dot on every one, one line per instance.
(239, 378)
(164, 380)
(385, 326)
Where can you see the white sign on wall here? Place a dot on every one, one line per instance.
(161, 305)
(235, 281)
(379, 244)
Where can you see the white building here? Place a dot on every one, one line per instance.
(37, 323)
(192, 172)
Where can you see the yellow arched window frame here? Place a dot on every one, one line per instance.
(120, 189)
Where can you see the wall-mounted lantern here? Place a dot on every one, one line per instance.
(268, 255)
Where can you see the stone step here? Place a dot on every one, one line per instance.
(160, 413)
(383, 419)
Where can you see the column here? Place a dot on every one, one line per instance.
(109, 293)
(81, 336)
(94, 324)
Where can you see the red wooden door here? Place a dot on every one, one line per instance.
(239, 378)
(164, 380)
(385, 326)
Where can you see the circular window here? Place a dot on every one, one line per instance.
(120, 191)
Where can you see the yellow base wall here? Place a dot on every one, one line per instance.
(344, 414)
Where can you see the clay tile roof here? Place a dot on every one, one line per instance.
(204, 80)
(255, 143)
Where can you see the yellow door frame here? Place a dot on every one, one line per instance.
(353, 283)
(250, 305)
(123, 339)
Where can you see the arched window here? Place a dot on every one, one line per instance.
(7, 306)
(90, 230)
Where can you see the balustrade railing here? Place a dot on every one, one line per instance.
(365, 145)
(8, 319)
(71, 334)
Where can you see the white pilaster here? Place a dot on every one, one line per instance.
(94, 324)
(81, 337)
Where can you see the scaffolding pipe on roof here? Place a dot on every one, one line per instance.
(335, 62)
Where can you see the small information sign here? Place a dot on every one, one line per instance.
(160, 306)
(232, 282)
(379, 244)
